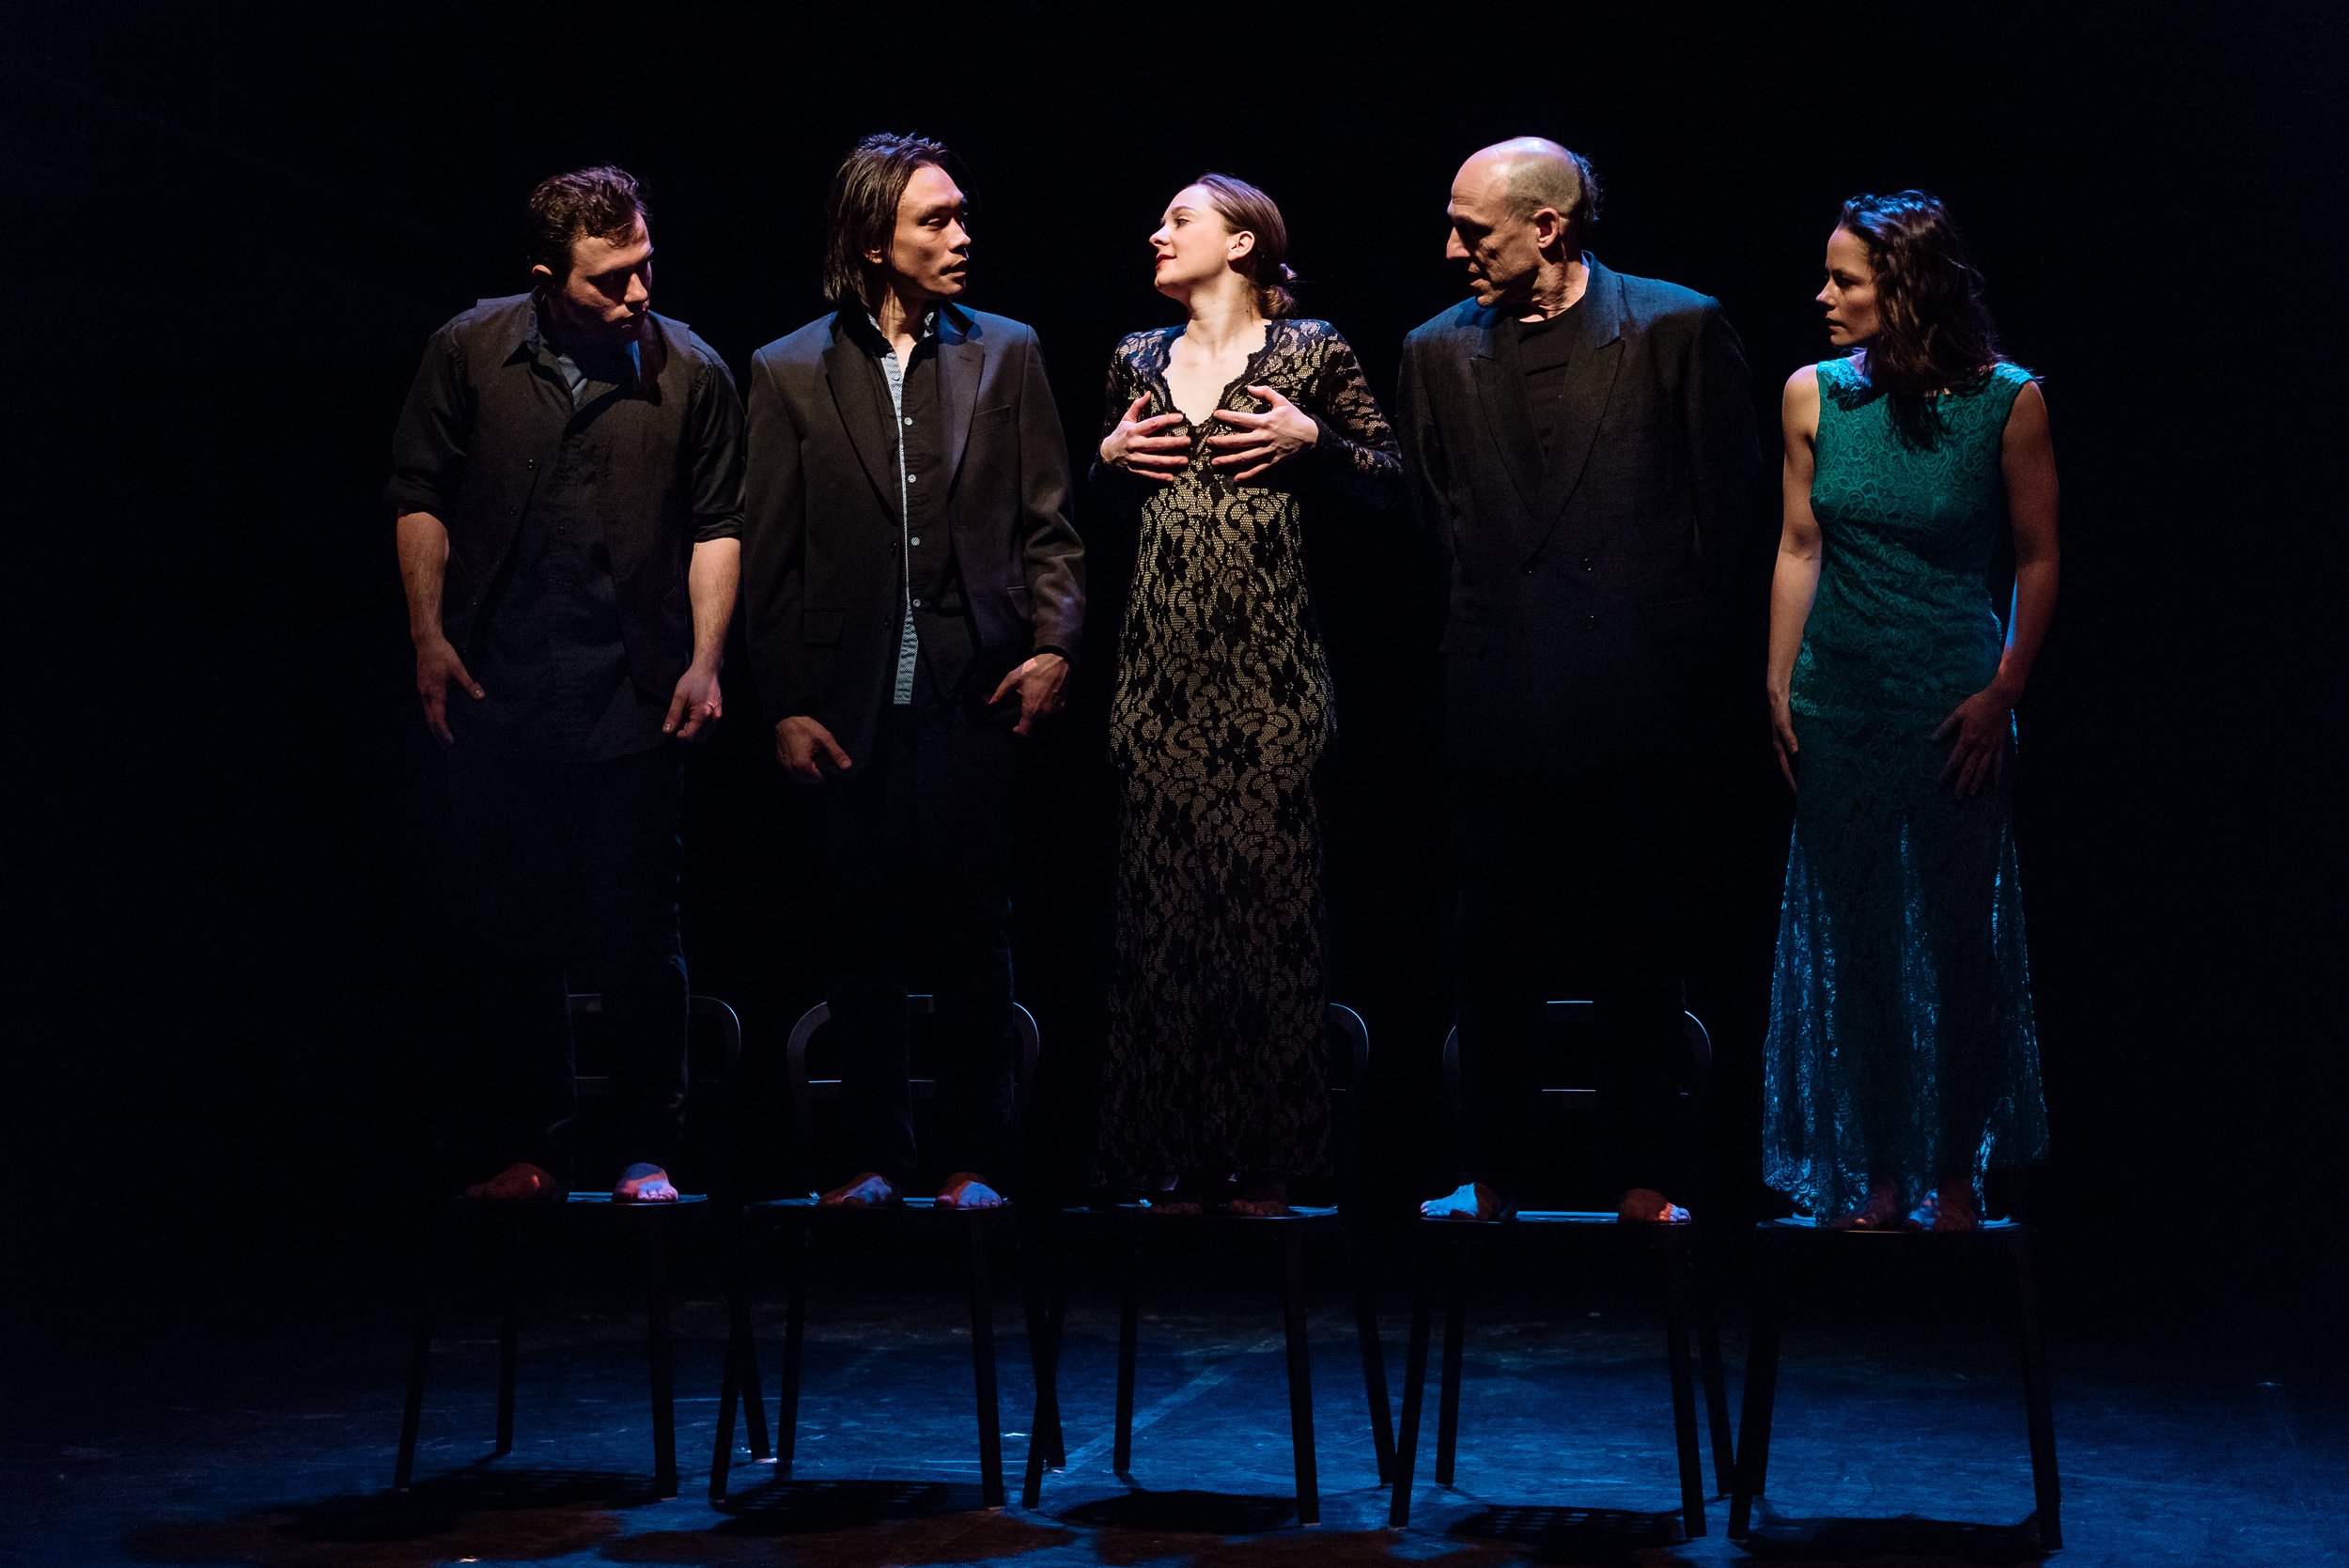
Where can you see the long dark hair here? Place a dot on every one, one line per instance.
(1933, 330)
(1245, 208)
(860, 210)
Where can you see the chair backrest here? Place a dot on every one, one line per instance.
(807, 1091)
(1576, 1014)
(1349, 1067)
(713, 1042)
(713, 1056)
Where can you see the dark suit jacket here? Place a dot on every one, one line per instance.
(1599, 594)
(822, 575)
(483, 426)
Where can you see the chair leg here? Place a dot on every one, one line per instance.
(1129, 1332)
(419, 1356)
(795, 1250)
(983, 1370)
(664, 1483)
(1675, 1260)
(1044, 1435)
(1374, 1365)
(2038, 1405)
(1753, 1434)
(1415, 1396)
(1708, 1315)
(1301, 1375)
(738, 1381)
(509, 1338)
(754, 1395)
(1448, 1396)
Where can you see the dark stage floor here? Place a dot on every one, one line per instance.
(277, 1449)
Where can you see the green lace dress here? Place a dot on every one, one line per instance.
(1901, 1043)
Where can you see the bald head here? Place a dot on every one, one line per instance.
(1518, 212)
(1527, 174)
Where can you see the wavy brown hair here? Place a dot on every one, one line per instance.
(1244, 209)
(1934, 333)
(860, 210)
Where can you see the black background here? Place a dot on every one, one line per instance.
(229, 232)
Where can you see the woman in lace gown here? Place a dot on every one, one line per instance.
(1219, 434)
(1902, 1061)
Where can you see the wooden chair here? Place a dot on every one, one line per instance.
(1286, 1236)
(714, 1047)
(1685, 1294)
(797, 1221)
(1783, 1243)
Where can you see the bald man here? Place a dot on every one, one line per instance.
(1582, 444)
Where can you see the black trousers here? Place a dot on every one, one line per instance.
(574, 867)
(1589, 880)
(917, 851)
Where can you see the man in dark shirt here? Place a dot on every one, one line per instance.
(1581, 444)
(567, 485)
(914, 590)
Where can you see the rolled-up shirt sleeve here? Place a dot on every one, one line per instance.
(429, 445)
(714, 463)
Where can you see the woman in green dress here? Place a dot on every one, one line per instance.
(1902, 1060)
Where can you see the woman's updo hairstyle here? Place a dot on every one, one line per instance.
(1245, 208)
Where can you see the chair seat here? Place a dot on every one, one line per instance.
(1801, 1228)
(906, 1210)
(1309, 1215)
(576, 1203)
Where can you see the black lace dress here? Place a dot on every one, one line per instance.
(1215, 1061)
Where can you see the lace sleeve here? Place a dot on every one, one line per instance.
(1357, 446)
(1124, 387)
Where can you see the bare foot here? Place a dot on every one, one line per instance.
(1644, 1206)
(519, 1183)
(868, 1191)
(641, 1183)
(964, 1191)
(1880, 1211)
(1267, 1199)
(1947, 1209)
(1472, 1202)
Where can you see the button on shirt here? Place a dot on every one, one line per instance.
(550, 650)
(914, 417)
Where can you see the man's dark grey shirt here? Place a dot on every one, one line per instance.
(573, 495)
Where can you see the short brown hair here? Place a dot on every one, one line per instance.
(603, 203)
(860, 210)
(1244, 209)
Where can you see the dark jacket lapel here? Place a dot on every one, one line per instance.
(1500, 393)
(849, 372)
(958, 363)
(1590, 384)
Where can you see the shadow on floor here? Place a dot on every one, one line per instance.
(1184, 1513)
(522, 1515)
(1909, 1538)
(1594, 1535)
(785, 1507)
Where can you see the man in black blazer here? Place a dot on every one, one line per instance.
(1581, 443)
(913, 591)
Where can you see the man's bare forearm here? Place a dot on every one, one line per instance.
(710, 581)
(423, 565)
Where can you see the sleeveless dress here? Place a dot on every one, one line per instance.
(1215, 1059)
(1901, 1043)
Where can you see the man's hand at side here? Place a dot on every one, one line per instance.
(1038, 682)
(437, 664)
(697, 704)
(798, 739)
